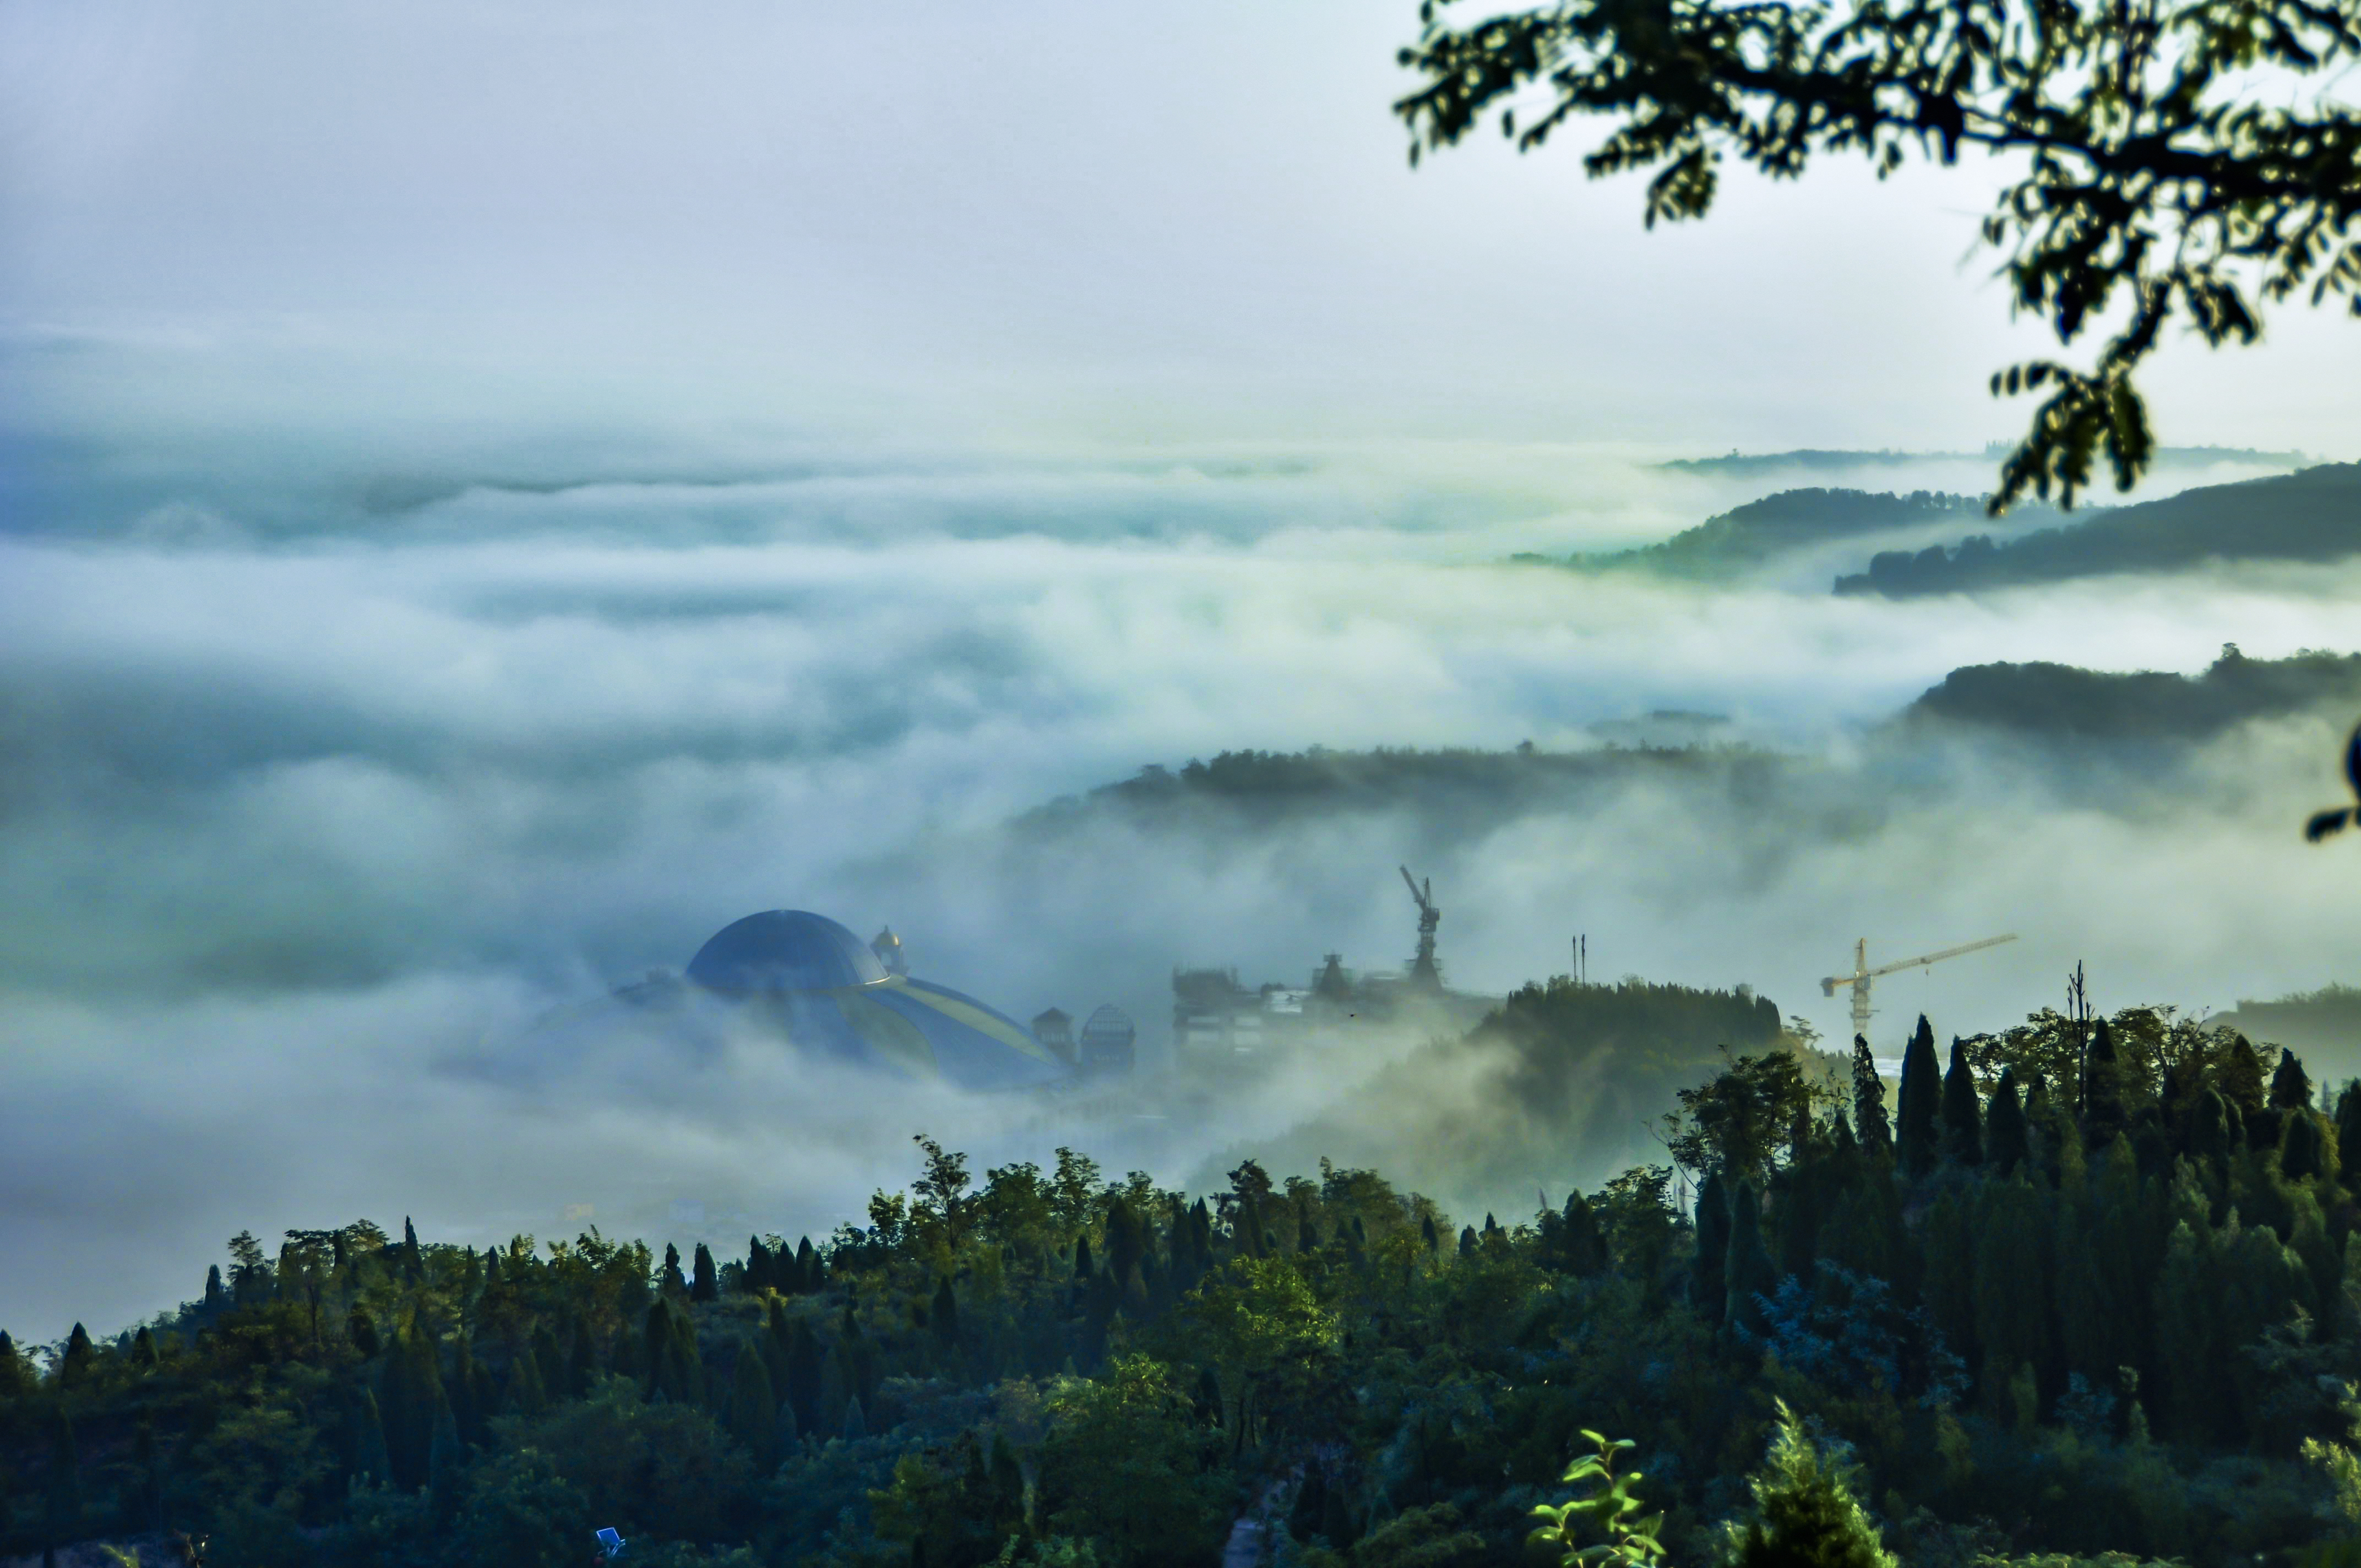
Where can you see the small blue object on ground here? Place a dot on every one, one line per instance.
(610, 1543)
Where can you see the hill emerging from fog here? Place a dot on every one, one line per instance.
(2062, 703)
(1552, 1091)
(2312, 516)
(1745, 465)
(1758, 532)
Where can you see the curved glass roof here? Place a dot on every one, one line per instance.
(784, 949)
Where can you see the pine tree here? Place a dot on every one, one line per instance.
(75, 1364)
(1752, 1278)
(1806, 1514)
(1875, 1129)
(753, 1412)
(1916, 1138)
(2006, 1148)
(706, 1286)
(1963, 1142)
(1708, 1275)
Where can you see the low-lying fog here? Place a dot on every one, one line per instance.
(313, 803)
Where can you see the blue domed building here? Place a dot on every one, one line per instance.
(824, 990)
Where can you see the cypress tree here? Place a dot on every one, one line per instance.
(1307, 1235)
(528, 1391)
(1875, 1129)
(1708, 1278)
(411, 1388)
(1123, 1239)
(706, 1286)
(361, 1329)
(809, 1275)
(16, 1377)
(786, 1432)
(944, 1315)
(1963, 1142)
(2240, 1078)
(2012, 1295)
(143, 1349)
(2348, 1133)
(2102, 1095)
(1427, 1231)
(2005, 1145)
(757, 1276)
(413, 1260)
(1749, 1269)
(805, 1378)
(1083, 1270)
(147, 1476)
(1916, 1139)
(751, 1415)
(2290, 1085)
(1467, 1241)
(2209, 1135)
(63, 1514)
(2302, 1149)
(445, 1464)
(1586, 1248)
(75, 1364)
(839, 1384)
(670, 1281)
(856, 1423)
(216, 1298)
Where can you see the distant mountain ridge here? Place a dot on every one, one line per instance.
(1742, 464)
(2061, 701)
(1750, 535)
(2311, 516)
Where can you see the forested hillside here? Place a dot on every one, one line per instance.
(2092, 1287)
(2312, 516)
(1752, 534)
(2061, 703)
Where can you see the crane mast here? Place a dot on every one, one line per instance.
(1862, 974)
(1424, 972)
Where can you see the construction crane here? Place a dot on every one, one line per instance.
(1862, 974)
(1423, 974)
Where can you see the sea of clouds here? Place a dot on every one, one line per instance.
(327, 771)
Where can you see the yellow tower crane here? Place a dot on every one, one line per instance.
(1862, 974)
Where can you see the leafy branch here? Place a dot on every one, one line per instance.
(1612, 1511)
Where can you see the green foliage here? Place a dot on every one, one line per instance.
(1128, 1467)
(1613, 1511)
(2160, 178)
(1805, 1512)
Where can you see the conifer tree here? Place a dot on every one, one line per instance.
(445, 1465)
(2006, 1148)
(528, 1391)
(1752, 1278)
(361, 1329)
(2210, 1134)
(16, 1377)
(1708, 1276)
(75, 1364)
(1963, 1142)
(943, 1316)
(1806, 1514)
(757, 1276)
(372, 1461)
(805, 1378)
(414, 1261)
(2348, 1133)
(217, 1299)
(753, 1412)
(1585, 1247)
(2240, 1077)
(581, 1361)
(410, 1391)
(146, 1478)
(671, 1281)
(705, 1286)
(1428, 1233)
(856, 1423)
(2302, 1149)
(63, 1516)
(2290, 1085)
(1467, 1241)
(1874, 1128)
(143, 1349)
(1917, 1139)
(786, 1432)
(2102, 1095)
(809, 1275)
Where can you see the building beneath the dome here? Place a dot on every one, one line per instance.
(1055, 1030)
(1109, 1044)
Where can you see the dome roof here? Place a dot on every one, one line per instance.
(822, 988)
(784, 949)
